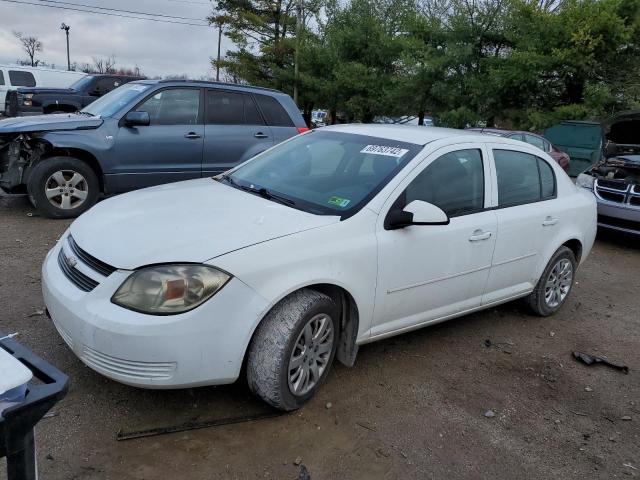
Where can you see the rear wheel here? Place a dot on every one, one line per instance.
(293, 348)
(63, 187)
(555, 283)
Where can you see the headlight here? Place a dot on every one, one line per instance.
(26, 99)
(585, 181)
(169, 289)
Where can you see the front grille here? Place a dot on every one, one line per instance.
(128, 368)
(617, 192)
(92, 262)
(76, 277)
(605, 220)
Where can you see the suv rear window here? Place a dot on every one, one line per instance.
(22, 79)
(1, 78)
(274, 113)
(231, 108)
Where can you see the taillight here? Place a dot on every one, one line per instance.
(302, 129)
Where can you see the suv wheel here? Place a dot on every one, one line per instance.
(292, 350)
(63, 187)
(555, 283)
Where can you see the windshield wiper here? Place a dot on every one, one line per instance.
(263, 192)
(80, 112)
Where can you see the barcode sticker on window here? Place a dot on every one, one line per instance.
(395, 152)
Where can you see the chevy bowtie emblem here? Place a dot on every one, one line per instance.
(71, 261)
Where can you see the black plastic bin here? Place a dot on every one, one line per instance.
(47, 387)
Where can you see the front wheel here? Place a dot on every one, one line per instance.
(555, 283)
(63, 187)
(293, 348)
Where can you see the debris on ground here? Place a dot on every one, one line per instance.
(195, 425)
(297, 461)
(502, 346)
(489, 414)
(366, 425)
(328, 405)
(588, 389)
(626, 418)
(629, 466)
(588, 359)
(304, 473)
(37, 313)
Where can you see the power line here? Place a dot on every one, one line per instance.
(23, 2)
(123, 11)
(189, 2)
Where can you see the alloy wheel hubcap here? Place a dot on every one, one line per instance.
(558, 283)
(66, 189)
(311, 353)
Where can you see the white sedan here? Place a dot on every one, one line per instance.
(333, 239)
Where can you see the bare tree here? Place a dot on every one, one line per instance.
(31, 45)
(104, 65)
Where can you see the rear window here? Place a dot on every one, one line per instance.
(21, 79)
(275, 114)
(1, 78)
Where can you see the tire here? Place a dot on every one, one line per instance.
(544, 302)
(276, 346)
(73, 179)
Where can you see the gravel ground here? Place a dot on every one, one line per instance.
(413, 406)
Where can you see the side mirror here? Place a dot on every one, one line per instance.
(416, 213)
(137, 119)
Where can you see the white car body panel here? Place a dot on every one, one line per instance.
(399, 279)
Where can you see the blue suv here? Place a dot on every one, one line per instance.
(144, 133)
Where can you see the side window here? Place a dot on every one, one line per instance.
(274, 112)
(547, 179)
(105, 85)
(21, 79)
(535, 141)
(1, 78)
(454, 182)
(177, 106)
(231, 108)
(522, 178)
(516, 136)
(547, 146)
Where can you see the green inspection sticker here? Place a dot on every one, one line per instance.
(339, 202)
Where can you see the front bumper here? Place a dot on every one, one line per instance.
(619, 217)
(204, 346)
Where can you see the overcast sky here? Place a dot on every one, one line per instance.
(157, 48)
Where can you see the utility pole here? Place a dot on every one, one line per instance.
(219, 42)
(66, 28)
(296, 59)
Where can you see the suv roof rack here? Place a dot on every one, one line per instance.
(213, 82)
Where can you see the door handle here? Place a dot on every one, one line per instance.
(549, 221)
(479, 235)
(192, 135)
(260, 135)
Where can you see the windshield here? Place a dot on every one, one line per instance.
(325, 172)
(80, 84)
(113, 101)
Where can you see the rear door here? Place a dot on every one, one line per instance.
(234, 130)
(167, 150)
(528, 215)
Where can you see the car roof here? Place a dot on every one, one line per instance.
(419, 135)
(205, 83)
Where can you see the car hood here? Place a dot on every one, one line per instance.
(190, 221)
(39, 123)
(46, 91)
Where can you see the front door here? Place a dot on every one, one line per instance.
(167, 150)
(234, 131)
(428, 272)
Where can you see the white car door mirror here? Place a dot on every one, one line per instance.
(417, 212)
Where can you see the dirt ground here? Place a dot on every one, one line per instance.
(412, 407)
